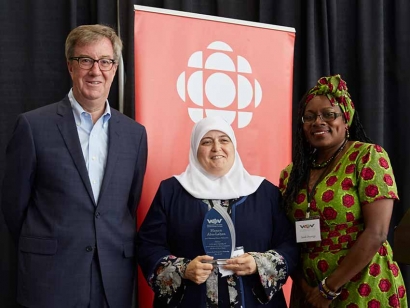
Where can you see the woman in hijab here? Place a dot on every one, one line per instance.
(342, 180)
(171, 251)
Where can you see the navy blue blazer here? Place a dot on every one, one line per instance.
(50, 210)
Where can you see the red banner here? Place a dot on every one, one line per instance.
(189, 66)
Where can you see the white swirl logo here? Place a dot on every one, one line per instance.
(229, 86)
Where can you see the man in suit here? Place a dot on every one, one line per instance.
(72, 184)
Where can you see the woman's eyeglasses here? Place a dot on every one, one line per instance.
(326, 116)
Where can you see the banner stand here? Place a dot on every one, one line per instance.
(189, 66)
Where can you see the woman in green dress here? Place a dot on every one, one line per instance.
(343, 182)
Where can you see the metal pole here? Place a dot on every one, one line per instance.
(121, 73)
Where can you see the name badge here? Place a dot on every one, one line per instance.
(308, 230)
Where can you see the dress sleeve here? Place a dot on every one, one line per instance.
(375, 175)
(278, 263)
(272, 271)
(167, 280)
(162, 270)
(284, 178)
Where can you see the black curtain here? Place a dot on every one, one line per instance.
(366, 41)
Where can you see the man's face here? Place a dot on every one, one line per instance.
(92, 86)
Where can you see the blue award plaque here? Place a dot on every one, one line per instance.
(217, 237)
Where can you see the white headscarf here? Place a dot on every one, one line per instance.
(202, 185)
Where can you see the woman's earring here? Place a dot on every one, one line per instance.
(347, 133)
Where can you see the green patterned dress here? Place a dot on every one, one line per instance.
(362, 175)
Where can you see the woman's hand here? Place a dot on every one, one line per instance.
(198, 270)
(315, 299)
(242, 265)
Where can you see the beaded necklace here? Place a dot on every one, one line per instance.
(324, 164)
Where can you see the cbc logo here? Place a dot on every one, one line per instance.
(228, 95)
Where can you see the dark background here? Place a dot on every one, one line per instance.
(366, 41)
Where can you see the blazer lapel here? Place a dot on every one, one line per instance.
(113, 146)
(68, 130)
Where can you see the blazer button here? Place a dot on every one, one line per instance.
(97, 215)
(89, 248)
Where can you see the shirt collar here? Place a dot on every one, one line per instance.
(78, 109)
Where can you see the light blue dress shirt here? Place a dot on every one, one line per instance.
(94, 142)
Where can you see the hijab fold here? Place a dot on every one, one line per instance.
(202, 185)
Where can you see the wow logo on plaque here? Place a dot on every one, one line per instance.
(218, 234)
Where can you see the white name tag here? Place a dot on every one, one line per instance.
(308, 230)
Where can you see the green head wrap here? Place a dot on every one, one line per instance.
(334, 87)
